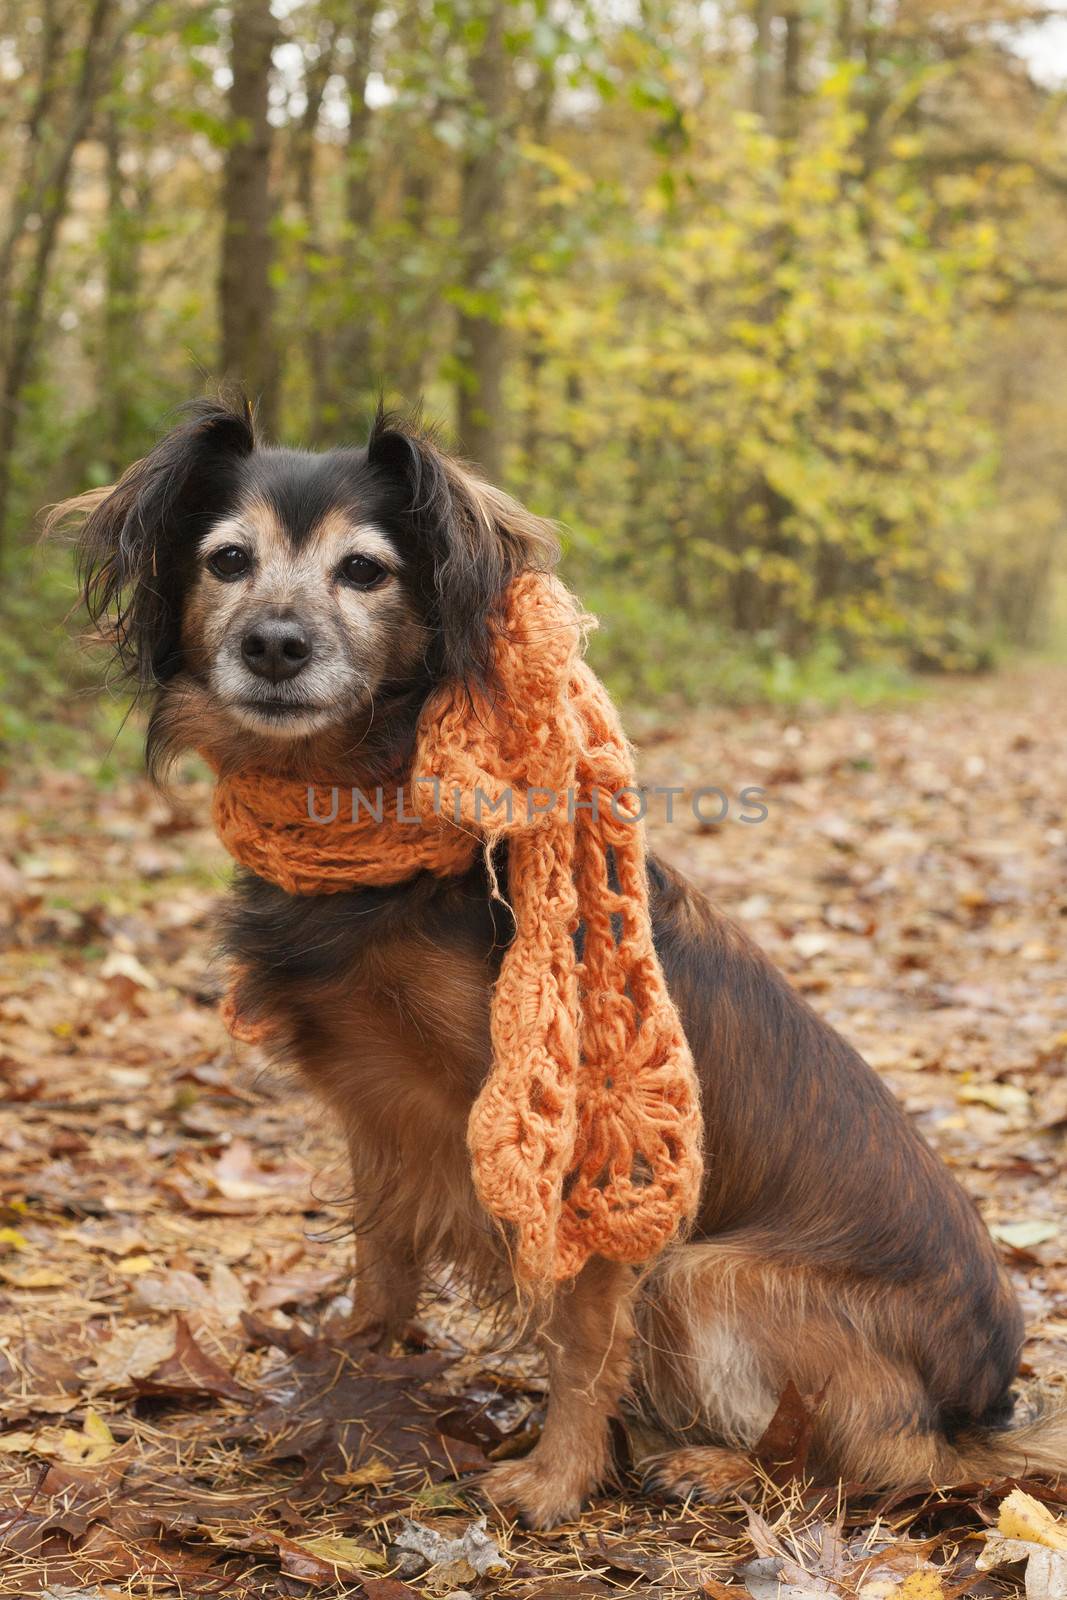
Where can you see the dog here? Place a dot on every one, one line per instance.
(285, 611)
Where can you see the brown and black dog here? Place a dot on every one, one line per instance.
(290, 611)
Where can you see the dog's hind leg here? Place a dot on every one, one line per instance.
(722, 1329)
(705, 1472)
(702, 1381)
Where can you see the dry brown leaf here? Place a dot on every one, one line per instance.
(131, 1353)
(189, 1370)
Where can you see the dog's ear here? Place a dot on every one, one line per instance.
(138, 536)
(471, 540)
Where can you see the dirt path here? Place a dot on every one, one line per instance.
(176, 1414)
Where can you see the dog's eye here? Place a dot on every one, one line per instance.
(229, 562)
(362, 572)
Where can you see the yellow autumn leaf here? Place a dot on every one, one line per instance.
(12, 1239)
(95, 1442)
(132, 1265)
(17, 1443)
(921, 1586)
(370, 1475)
(342, 1552)
(916, 1586)
(1023, 1517)
(1023, 1235)
(1006, 1097)
(34, 1278)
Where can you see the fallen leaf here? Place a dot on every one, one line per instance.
(1046, 1575)
(132, 1265)
(1021, 1235)
(786, 1440)
(34, 1278)
(1022, 1517)
(95, 1443)
(172, 1291)
(190, 1371)
(1046, 1570)
(345, 1553)
(1006, 1097)
(372, 1475)
(121, 964)
(916, 1586)
(323, 1558)
(763, 1580)
(456, 1561)
(922, 1586)
(17, 1443)
(227, 1295)
(296, 1288)
(131, 1353)
(237, 1175)
(386, 1589)
(624, 1557)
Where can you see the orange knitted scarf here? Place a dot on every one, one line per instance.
(586, 1136)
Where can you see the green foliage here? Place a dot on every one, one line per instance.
(771, 365)
(52, 710)
(36, 666)
(650, 653)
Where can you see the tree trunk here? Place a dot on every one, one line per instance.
(845, 30)
(348, 383)
(480, 336)
(357, 375)
(118, 349)
(26, 189)
(246, 297)
(792, 56)
(406, 360)
(535, 355)
(359, 194)
(316, 78)
(97, 57)
(762, 66)
(409, 353)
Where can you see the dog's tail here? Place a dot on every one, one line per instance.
(1034, 1448)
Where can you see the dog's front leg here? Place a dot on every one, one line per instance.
(587, 1345)
(385, 1289)
(387, 1279)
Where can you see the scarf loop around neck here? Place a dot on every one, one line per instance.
(586, 1135)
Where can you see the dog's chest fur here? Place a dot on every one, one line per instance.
(382, 998)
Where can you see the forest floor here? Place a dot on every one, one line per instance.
(178, 1413)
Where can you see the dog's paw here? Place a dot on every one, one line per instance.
(540, 1494)
(382, 1333)
(700, 1472)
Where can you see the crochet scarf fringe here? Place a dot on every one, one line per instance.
(586, 1136)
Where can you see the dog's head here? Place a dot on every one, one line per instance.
(279, 604)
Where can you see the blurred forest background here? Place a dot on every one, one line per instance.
(766, 300)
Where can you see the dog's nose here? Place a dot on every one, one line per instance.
(276, 648)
